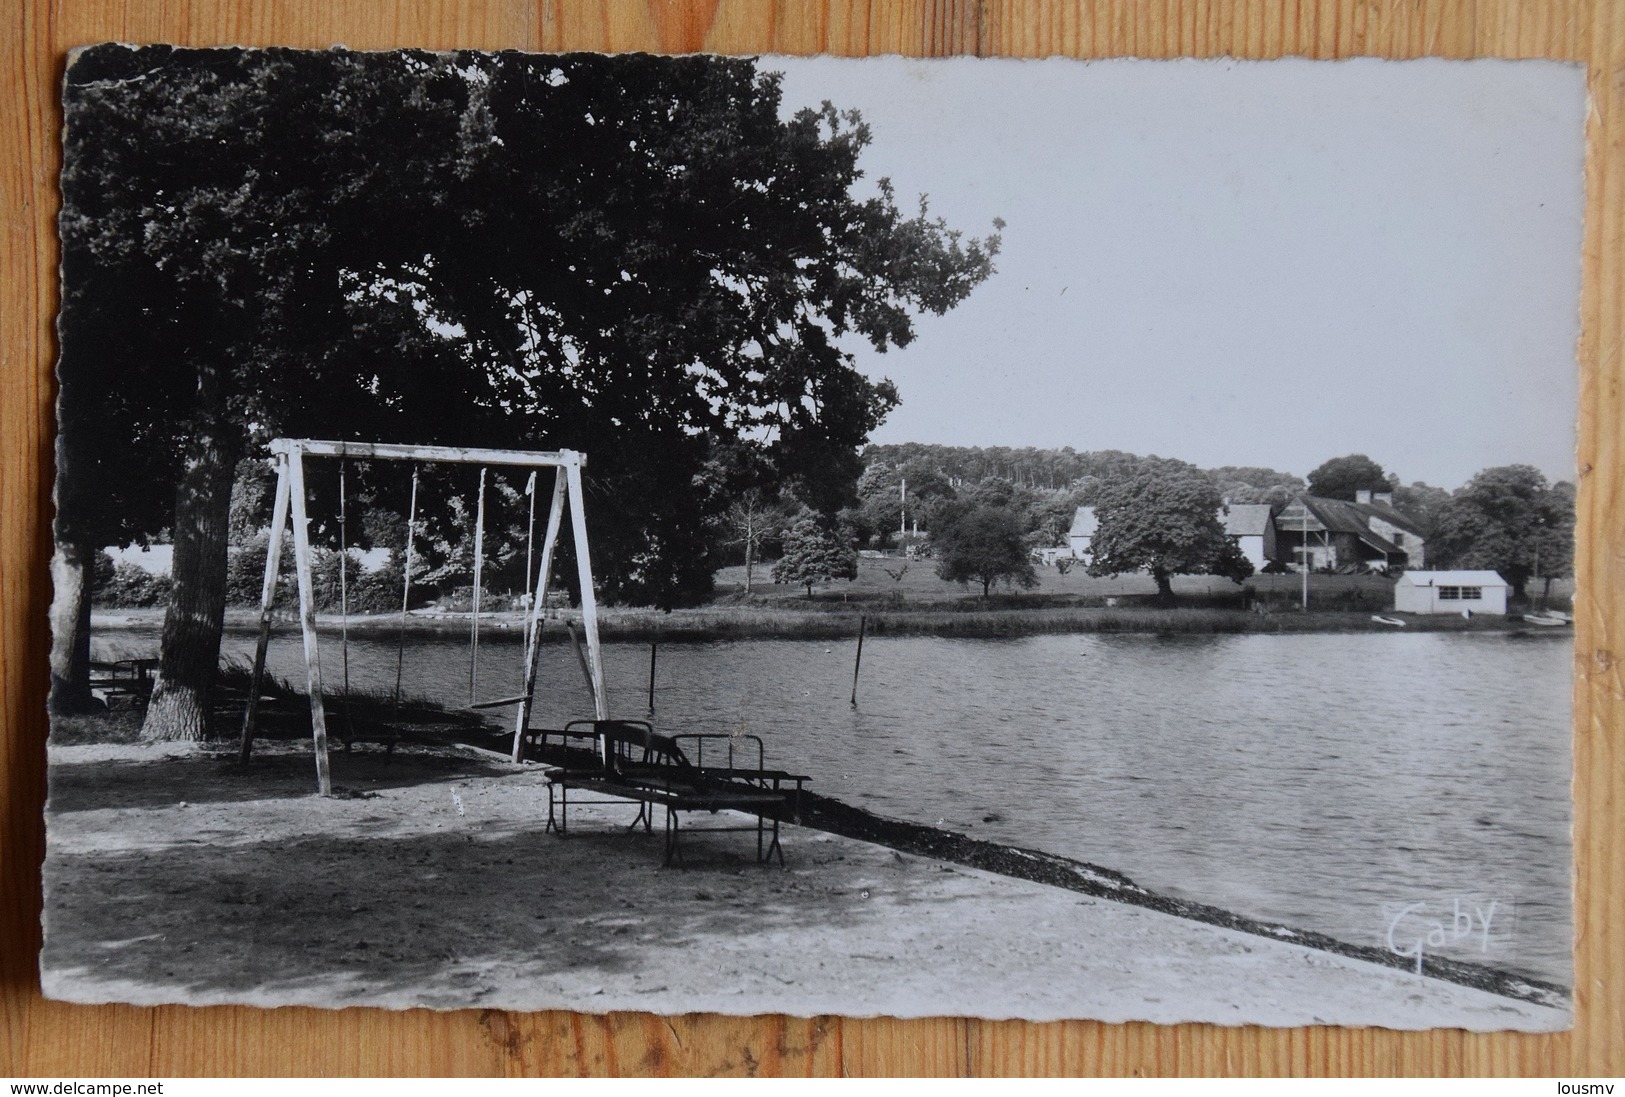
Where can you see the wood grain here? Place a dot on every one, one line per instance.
(45, 1038)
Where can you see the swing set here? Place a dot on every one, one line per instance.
(290, 454)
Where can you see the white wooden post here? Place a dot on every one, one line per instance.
(474, 604)
(533, 627)
(273, 564)
(589, 601)
(307, 618)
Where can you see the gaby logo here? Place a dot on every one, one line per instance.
(1418, 928)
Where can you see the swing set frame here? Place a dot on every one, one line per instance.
(289, 508)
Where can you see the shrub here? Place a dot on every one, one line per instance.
(130, 587)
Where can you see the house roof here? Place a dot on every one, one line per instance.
(1388, 514)
(1339, 516)
(1084, 523)
(1247, 519)
(1313, 513)
(1453, 579)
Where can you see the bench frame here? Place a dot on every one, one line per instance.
(643, 768)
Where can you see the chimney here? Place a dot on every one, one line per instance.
(1386, 498)
(1362, 495)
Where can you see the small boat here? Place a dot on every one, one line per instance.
(1544, 622)
(1381, 620)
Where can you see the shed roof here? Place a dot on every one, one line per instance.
(1247, 519)
(1084, 523)
(1453, 579)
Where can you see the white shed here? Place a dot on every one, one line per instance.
(1450, 592)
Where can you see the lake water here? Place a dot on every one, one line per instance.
(1350, 783)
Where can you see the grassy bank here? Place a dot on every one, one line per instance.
(816, 620)
(906, 598)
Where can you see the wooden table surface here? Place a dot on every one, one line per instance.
(43, 1038)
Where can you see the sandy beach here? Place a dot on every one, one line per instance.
(174, 875)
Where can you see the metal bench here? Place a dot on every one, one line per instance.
(627, 762)
(124, 683)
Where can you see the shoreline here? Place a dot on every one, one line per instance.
(941, 927)
(1018, 862)
(827, 620)
(827, 815)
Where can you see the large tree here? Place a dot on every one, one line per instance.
(1163, 519)
(627, 256)
(1341, 477)
(816, 551)
(1507, 519)
(986, 544)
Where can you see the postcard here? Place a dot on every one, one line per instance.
(1020, 539)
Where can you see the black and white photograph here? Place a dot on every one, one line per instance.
(1013, 539)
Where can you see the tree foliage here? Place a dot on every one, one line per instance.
(1341, 477)
(815, 551)
(1507, 519)
(985, 544)
(882, 505)
(629, 256)
(1252, 484)
(1164, 519)
(1421, 503)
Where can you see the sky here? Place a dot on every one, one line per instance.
(1234, 263)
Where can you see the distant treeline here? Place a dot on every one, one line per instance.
(1063, 468)
(1508, 518)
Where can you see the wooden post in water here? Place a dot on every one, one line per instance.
(654, 653)
(857, 665)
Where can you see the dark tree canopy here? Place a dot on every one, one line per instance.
(1163, 519)
(1507, 519)
(1341, 477)
(985, 544)
(1252, 484)
(630, 256)
(1421, 503)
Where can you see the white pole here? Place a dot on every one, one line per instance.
(273, 564)
(474, 602)
(307, 619)
(530, 534)
(533, 629)
(1308, 557)
(589, 600)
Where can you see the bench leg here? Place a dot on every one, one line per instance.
(673, 854)
(773, 846)
(552, 822)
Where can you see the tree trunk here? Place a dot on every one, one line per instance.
(1165, 587)
(750, 545)
(190, 653)
(72, 574)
